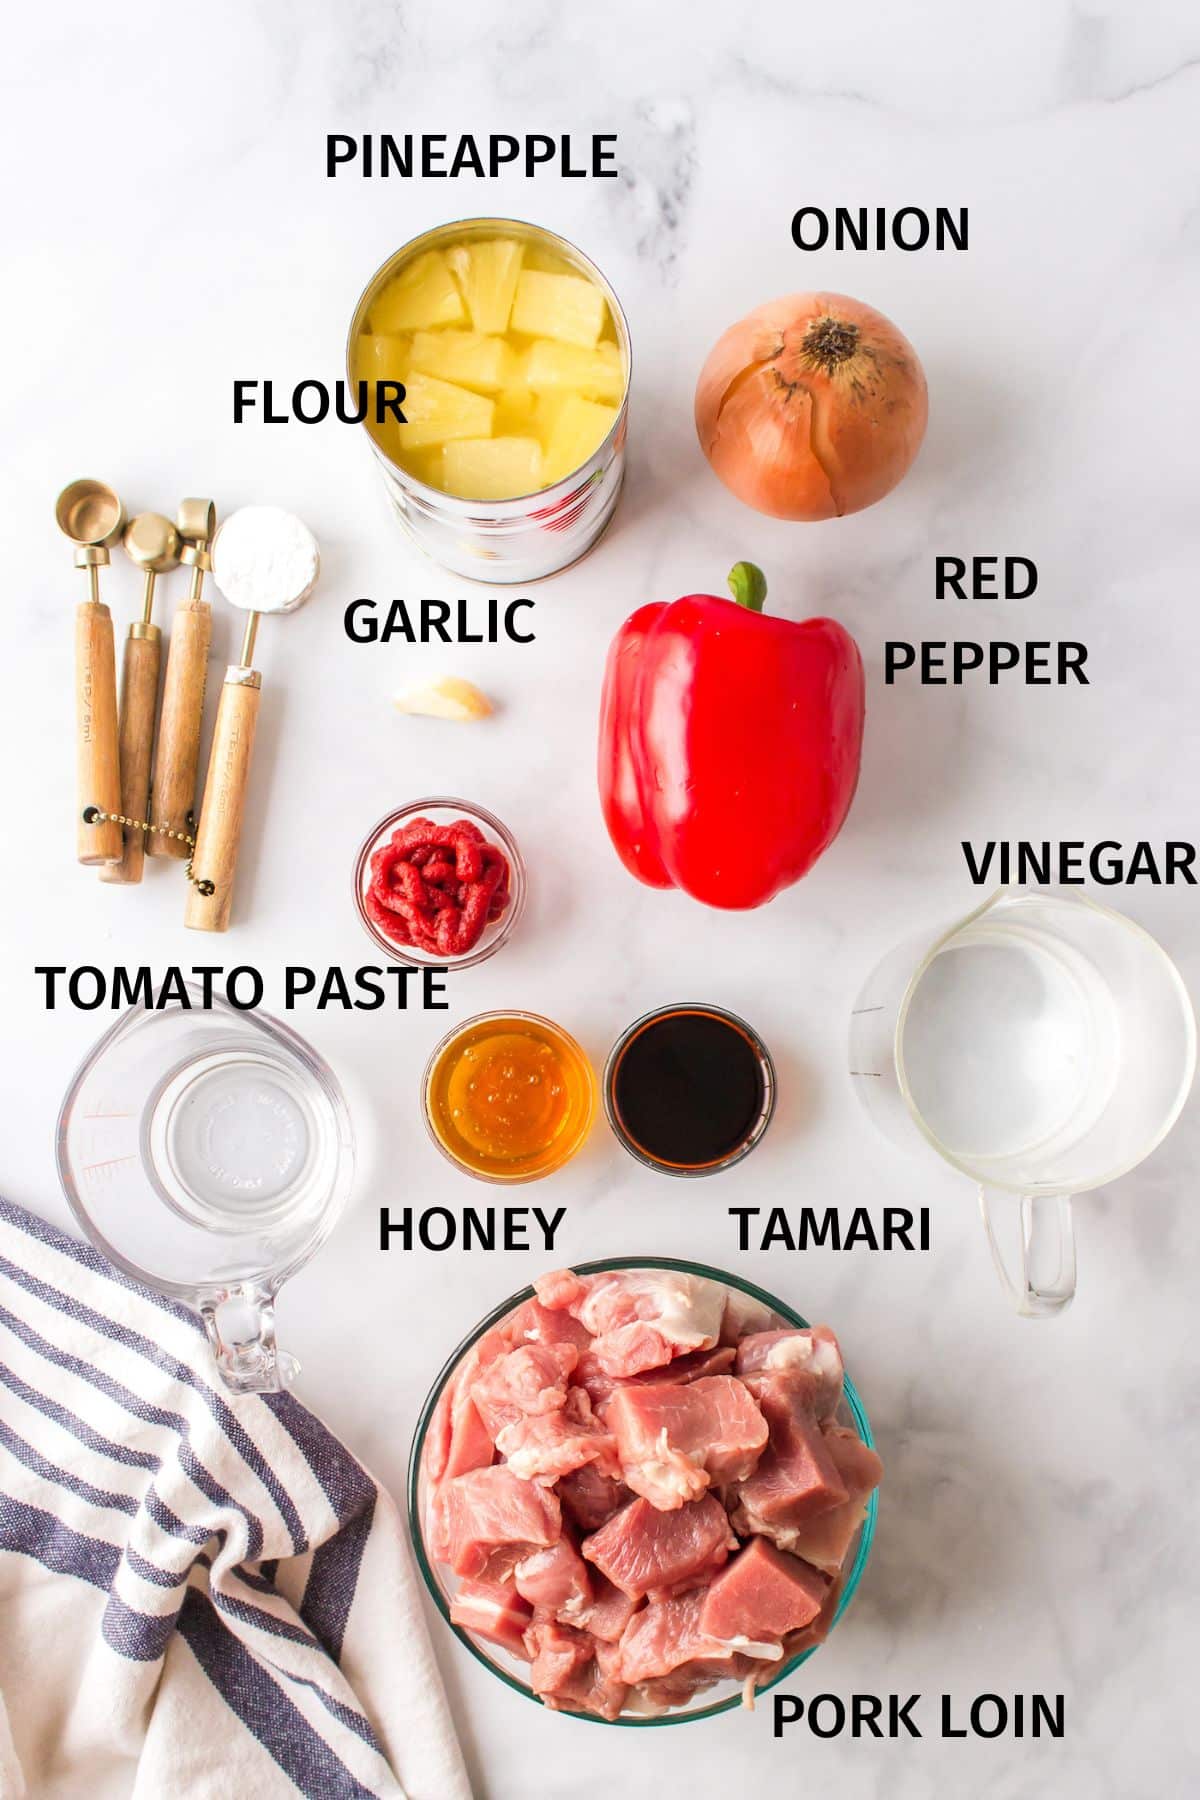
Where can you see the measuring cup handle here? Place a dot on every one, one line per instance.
(240, 1323)
(1047, 1249)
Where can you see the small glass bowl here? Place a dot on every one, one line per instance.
(442, 811)
(442, 1582)
(757, 1130)
(572, 1142)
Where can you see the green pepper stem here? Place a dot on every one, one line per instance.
(748, 585)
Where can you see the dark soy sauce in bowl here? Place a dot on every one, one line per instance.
(689, 1089)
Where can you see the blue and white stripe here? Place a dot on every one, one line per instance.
(203, 1590)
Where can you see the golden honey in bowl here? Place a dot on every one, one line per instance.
(510, 358)
(509, 1096)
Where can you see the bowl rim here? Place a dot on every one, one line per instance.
(405, 954)
(596, 1267)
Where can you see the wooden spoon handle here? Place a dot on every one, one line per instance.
(139, 700)
(97, 766)
(177, 757)
(215, 858)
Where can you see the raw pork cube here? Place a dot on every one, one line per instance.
(596, 1382)
(470, 1445)
(809, 1361)
(796, 1476)
(533, 1323)
(638, 1318)
(644, 1551)
(528, 1381)
(762, 1595)
(557, 1652)
(488, 1508)
(556, 1581)
(596, 1687)
(493, 1610)
(456, 1441)
(663, 1692)
(825, 1539)
(673, 1439)
(450, 1419)
(609, 1612)
(669, 1633)
(689, 1367)
(549, 1445)
(502, 1562)
(692, 1367)
(743, 1316)
(811, 1635)
(590, 1497)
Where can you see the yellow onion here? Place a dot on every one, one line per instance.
(811, 406)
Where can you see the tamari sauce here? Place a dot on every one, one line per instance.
(688, 1088)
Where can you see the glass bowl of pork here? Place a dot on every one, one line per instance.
(643, 1491)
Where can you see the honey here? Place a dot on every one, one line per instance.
(509, 1096)
(510, 359)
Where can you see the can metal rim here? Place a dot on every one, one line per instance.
(571, 252)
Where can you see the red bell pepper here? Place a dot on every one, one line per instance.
(730, 743)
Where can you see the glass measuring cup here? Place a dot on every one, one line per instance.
(1044, 1045)
(208, 1154)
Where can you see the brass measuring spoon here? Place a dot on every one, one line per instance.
(177, 755)
(152, 542)
(257, 543)
(91, 515)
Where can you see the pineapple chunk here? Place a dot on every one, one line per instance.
(579, 427)
(515, 412)
(501, 468)
(467, 357)
(596, 374)
(382, 356)
(487, 275)
(565, 307)
(538, 256)
(426, 465)
(421, 294)
(436, 411)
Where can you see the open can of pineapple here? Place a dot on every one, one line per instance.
(514, 355)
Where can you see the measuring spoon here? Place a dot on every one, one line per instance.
(91, 515)
(177, 756)
(152, 543)
(264, 561)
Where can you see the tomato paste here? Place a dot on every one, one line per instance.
(437, 887)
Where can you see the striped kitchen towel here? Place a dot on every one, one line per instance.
(202, 1595)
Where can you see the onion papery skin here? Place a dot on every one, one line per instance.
(812, 406)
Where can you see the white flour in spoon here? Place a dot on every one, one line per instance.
(265, 560)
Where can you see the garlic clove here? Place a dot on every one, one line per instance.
(447, 697)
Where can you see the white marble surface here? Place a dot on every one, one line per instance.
(169, 227)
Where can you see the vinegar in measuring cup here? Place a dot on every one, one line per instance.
(1011, 1043)
(233, 1140)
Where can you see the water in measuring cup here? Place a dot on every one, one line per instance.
(233, 1143)
(1010, 1046)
